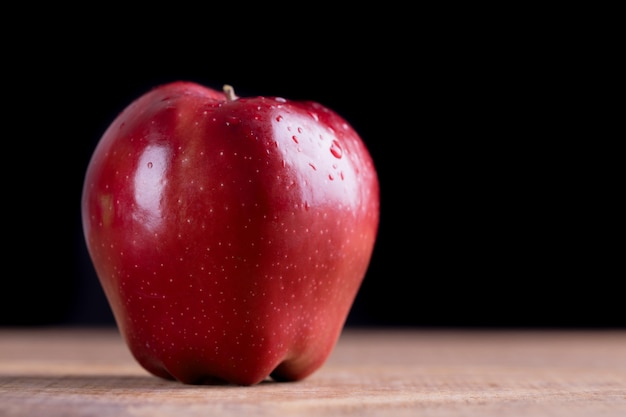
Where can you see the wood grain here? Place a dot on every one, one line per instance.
(372, 372)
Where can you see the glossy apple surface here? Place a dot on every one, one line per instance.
(230, 234)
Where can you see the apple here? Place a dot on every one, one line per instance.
(230, 234)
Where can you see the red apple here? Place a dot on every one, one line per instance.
(230, 235)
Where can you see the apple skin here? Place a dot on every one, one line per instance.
(230, 235)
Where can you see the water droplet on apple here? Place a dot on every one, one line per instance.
(295, 139)
(313, 166)
(336, 150)
(279, 118)
(150, 165)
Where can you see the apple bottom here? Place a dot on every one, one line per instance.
(245, 359)
(245, 369)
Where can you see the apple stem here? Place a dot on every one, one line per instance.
(230, 92)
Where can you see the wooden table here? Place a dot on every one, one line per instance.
(412, 372)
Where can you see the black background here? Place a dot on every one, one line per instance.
(498, 204)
